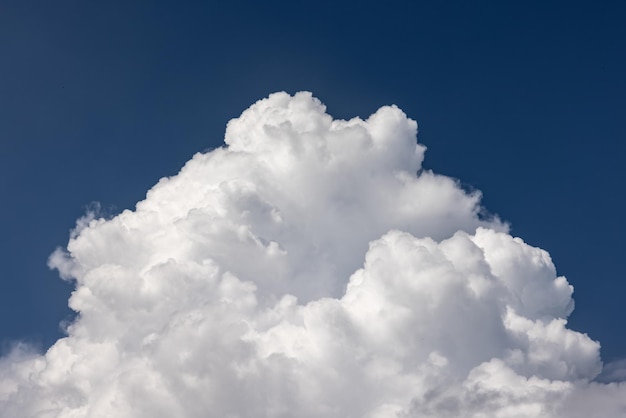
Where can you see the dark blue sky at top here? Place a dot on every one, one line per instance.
(525, 101)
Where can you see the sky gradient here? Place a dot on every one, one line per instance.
(524, 102)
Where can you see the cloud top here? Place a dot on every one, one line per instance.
(309, 268)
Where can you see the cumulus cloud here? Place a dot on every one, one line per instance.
(310, 268)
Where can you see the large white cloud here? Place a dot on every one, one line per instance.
(306, 270)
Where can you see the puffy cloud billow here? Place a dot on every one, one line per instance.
(310, 268)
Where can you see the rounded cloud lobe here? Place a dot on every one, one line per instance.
(306, 270)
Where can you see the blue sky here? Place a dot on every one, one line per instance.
(523, 101)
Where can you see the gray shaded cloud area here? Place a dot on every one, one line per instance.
(310, 268)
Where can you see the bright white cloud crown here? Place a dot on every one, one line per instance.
(310, 268)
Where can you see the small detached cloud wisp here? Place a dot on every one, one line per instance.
(310, 268)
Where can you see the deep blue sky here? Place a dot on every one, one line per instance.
(525, 101)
